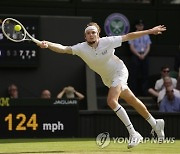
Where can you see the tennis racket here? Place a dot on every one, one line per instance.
(8, 29)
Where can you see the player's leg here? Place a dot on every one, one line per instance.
(112, 101)
(157, 125)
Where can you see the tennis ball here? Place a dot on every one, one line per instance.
(17, 28)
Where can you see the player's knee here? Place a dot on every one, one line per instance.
(111, 102)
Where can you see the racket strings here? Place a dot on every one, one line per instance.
(11, 32)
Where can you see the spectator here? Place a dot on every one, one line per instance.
(170, 102)
(177, 61)
(178, 81)
(167, 82)
(70, 92)
(159, 85)
(46, 94)
(140, 48)
(13, 91)
(177, 68)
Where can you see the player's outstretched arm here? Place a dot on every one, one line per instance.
(56, 47)
(156, 30)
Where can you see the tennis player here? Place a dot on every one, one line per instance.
(98, 54)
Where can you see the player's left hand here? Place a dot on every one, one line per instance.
(158, 29)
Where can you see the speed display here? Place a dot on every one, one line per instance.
(24, 119)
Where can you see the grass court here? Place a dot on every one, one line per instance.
(81, 146)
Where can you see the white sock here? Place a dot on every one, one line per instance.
(151, 121)
(121, 113)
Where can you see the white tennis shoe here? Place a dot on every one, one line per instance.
(159, 130)
(134, 140)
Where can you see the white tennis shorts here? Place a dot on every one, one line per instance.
(119, 77)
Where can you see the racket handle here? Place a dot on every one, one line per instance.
(36, 41)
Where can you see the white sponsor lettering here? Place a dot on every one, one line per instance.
(53, 126)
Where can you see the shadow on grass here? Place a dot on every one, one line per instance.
(32, 152)
(27, 140)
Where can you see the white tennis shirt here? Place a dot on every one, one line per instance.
(102, 59)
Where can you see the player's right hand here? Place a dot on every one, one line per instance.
(43, 44)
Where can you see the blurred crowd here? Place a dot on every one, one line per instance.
(68, 92)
